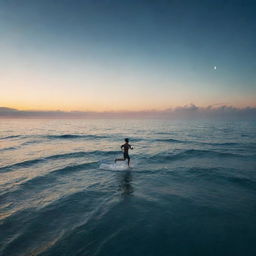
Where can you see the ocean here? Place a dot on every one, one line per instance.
(191, 188)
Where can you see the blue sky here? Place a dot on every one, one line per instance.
(127, 55)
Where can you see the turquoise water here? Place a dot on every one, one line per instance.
(191, 189)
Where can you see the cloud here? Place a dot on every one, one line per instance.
(7, 110)
(184, 112)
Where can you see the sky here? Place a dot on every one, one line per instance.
(126, 55)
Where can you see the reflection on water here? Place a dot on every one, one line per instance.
(126, 183)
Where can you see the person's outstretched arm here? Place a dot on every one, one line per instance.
(130, 147)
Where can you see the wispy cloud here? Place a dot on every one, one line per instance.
(184, 112)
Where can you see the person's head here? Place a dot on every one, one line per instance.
(126, 140)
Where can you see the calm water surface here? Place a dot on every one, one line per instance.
(191, 189)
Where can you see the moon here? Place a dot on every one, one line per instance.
(214, 67)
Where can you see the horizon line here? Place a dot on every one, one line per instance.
(190, 111)
(173, 108)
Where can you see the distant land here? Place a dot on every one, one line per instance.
(187, 112)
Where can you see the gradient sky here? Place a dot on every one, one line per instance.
(126, 55)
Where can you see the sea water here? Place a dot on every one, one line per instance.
(191, 188)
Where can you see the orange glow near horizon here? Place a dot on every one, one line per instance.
(89, 59)
(46, 84)
(110, 98)
(38, 107)
(38, 86)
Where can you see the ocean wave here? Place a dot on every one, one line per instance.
(42, 181)
(174, 141)
(10, 137)
(51, 176)
(30, 142)
(234, 144)
(212, 174)
(29, 163)
(194, 153)
(224, 174)
(242, 181)
(26, 163)
(7, 149)
(58, 136)
(76, 136)
(165, 133)
(224, 144)
(81, 205)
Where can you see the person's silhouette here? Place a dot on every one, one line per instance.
(125, 148)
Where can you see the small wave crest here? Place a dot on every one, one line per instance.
(230, 175)
(29, 163)
(76, 136)
(43, 181)
(173, 140)
(193, 153)
(10, 137)
(9, 148)
(228, 144)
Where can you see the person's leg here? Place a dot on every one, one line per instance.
(128, 161)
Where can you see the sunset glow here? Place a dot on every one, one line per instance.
(86, 57)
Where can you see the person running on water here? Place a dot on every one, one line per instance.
(126, 148)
